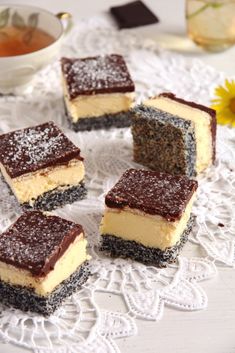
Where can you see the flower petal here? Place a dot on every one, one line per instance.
(230, 86)
(221, 103)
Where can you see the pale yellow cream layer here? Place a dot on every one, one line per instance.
(202, 125)
(29, 186)
(150, 231)
(86, 106)
(74, 256)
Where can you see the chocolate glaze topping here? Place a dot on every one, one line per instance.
(36, 241)
(208, 110)
(28, 150)
(100, 74)
(154, 193)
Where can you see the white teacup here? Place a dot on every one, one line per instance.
(17, 71)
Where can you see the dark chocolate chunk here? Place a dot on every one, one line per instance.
(221, 225)
(118, 247)
(152, 192)
(208, 110)
(96, 75)
(36, 241)
(26, 299)
(133, 14)
(34, 148)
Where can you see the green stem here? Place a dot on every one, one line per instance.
(203, 8)
(214, 5)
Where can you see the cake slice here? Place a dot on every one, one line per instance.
(148, 216)
(98, 92)
(42, 262)
(174, 136)
(43, 168)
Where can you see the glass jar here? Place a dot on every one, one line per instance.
(211, 23)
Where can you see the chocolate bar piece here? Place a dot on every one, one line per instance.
(133, 14)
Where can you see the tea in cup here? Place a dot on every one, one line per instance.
(30, 39)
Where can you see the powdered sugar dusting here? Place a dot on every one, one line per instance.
(34, 239)
(30, 149)
(101, 74)
(152, 192)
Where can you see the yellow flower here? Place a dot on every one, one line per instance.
(224, 104)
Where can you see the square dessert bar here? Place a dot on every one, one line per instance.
(98, 92)
(42, 167)
(42, 262)
(148, 216)
(173, 135)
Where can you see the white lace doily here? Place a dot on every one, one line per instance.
(81, 325)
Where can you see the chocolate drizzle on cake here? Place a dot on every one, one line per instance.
(208, 110)
(152, 192)
(28, 150)
(100, 74)
(36, 241)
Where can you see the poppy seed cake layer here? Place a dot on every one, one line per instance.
(163, 142)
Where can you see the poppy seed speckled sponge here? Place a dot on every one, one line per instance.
(173, 135)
